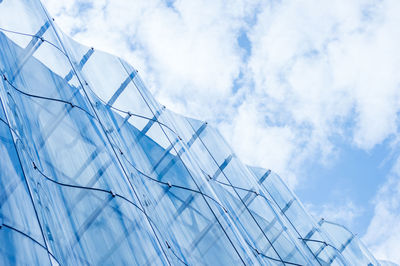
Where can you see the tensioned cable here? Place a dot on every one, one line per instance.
(32, 35)
(17, 134)
(283, 261)
(88, 188)
(240, 188)
(319, 241)
(322, 248)
(1, 119)
(25, 179)
(173, 252)
(45, 98)
(172, 185)
(271, 258)
(169, 246)
(31, 238)
(136, 115)
(244, 189)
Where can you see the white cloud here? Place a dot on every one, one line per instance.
(384, 230)
(321, 66)
(344, 212)
(262, 144)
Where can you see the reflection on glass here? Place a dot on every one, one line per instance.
(94, 170)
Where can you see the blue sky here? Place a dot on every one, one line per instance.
(354, 176)
(309, 89)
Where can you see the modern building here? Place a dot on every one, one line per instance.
(93, 170)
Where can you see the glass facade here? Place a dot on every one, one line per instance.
(93, 170)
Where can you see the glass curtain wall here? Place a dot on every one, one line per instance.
(94, 170)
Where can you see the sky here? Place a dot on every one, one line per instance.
(307, 88)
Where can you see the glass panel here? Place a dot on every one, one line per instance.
(18, 249)
(16, 209)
